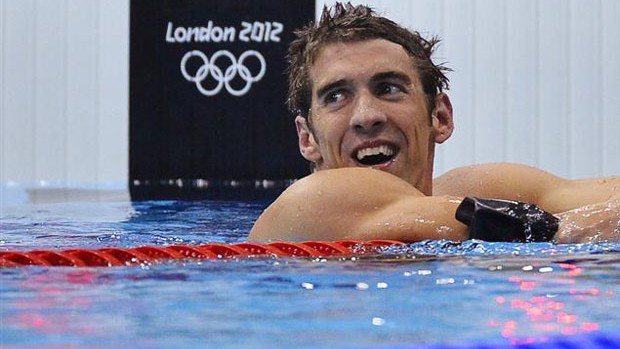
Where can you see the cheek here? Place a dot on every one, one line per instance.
(419, 138)
(329, 132)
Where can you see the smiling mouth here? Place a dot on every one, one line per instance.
(371, 156)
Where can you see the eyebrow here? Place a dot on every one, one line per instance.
(392, 75)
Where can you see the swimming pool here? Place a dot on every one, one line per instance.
(431, 293)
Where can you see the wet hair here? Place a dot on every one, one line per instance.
(348, 23)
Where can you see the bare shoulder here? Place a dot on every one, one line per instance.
(346, 185)
(499, 180)
(525, 183)
(328, 201)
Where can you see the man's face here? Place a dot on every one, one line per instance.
(369, 110)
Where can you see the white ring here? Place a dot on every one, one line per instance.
(209, 68)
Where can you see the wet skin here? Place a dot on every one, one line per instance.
(367, 99)
(371, 136)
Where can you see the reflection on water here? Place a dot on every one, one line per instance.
(424, 293)
(315, 303)
(114, 223)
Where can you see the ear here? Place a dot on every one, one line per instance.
(443, 123)
(307, 144)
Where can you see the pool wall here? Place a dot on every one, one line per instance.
(533, 82)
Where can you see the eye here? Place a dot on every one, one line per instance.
(388, 89)
(334, 97)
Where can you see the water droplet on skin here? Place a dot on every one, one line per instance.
(424, 221)
(444, 229)
(384, 226)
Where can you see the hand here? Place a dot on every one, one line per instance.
(598, 222)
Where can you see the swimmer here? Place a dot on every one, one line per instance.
(370, 106)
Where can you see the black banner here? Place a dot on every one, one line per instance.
(207, 96)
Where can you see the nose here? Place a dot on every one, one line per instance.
(368, 115)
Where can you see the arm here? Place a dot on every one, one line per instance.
(589, 209)
(595, 222)
(360, 204)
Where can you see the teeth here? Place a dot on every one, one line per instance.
(382, 149)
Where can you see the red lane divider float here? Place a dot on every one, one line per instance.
(114, 256)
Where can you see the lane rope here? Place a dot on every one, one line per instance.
(116, 256)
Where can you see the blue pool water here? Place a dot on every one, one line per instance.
(427, 293)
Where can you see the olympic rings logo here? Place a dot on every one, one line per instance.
(223, 79)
